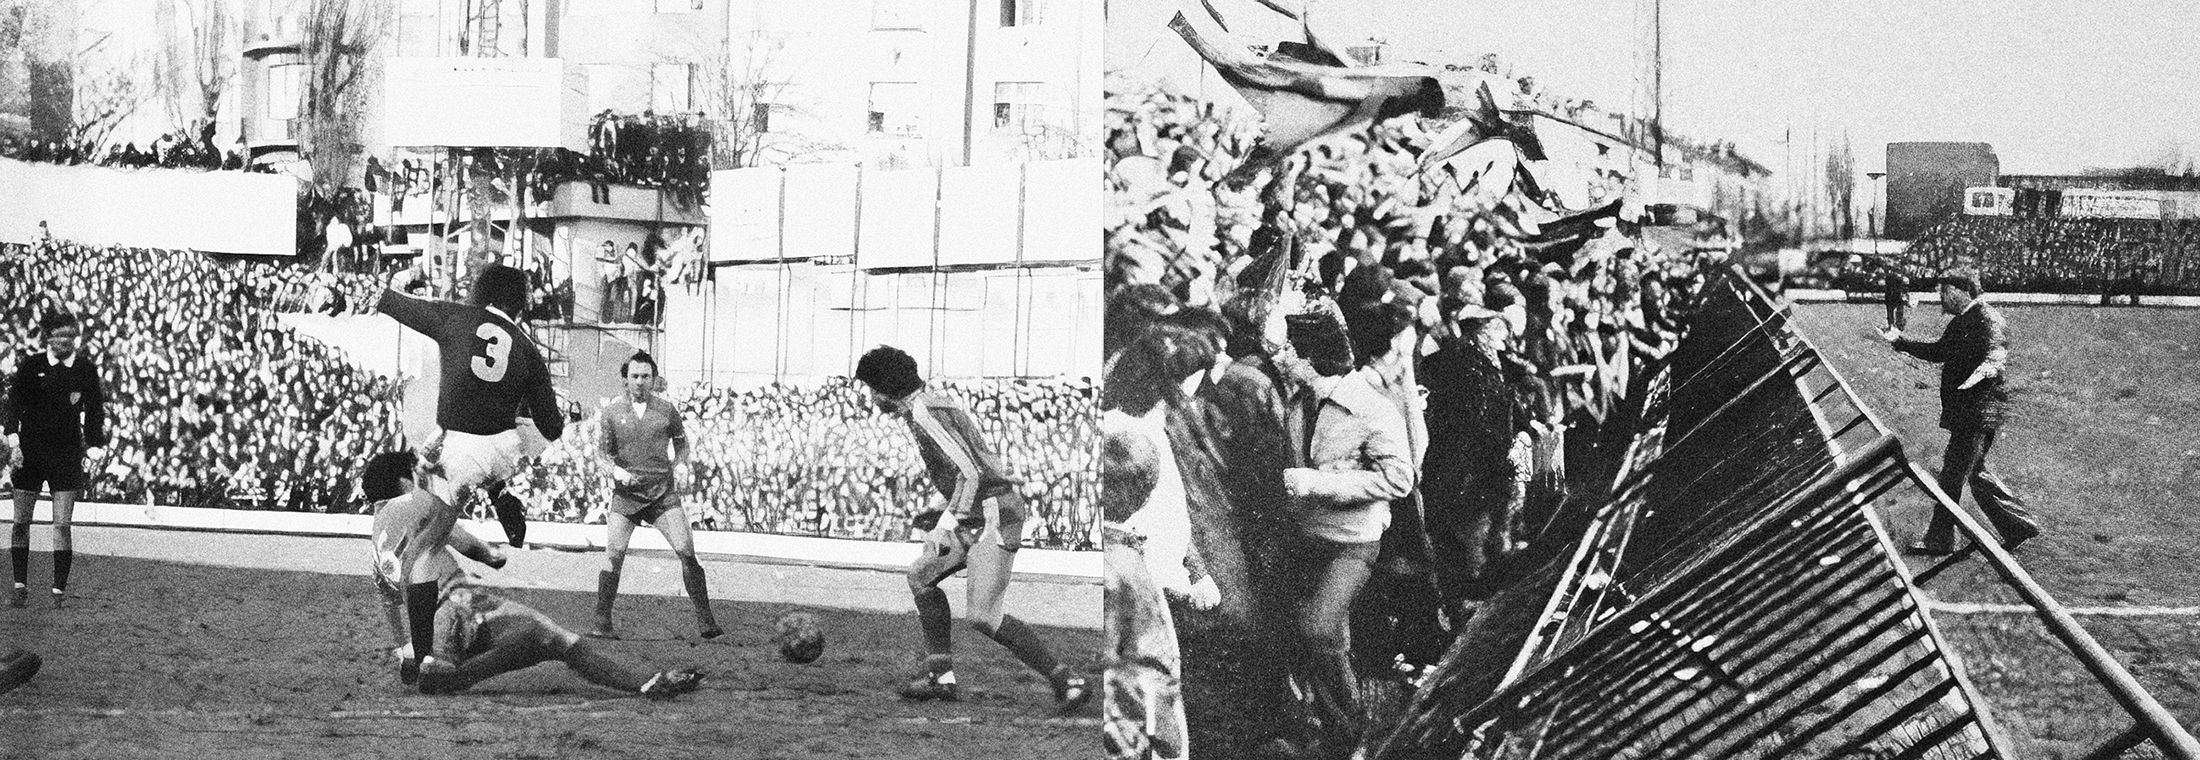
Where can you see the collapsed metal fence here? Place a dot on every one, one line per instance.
(1738, 596)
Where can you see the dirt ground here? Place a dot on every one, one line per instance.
(234, 646)
(2104, 444)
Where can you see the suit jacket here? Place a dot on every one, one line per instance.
(56, 408)
(1978, 336)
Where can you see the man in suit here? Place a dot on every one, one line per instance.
(1973, 354)
(55, 417)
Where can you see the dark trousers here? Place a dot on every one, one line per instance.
(1965, 462)
(519, 638)
(1898, 304)
(1334, 575)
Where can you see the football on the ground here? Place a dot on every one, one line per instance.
(16, 668)
(801, 637)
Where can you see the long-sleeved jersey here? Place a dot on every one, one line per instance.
(962, 466)
(491, 369)
(56, 407)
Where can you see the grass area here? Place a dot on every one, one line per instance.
(2104, 443)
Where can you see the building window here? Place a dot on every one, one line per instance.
(670, 86)
(895, 107)
(897, 14)
(1019, 12)
(285, 76)
(1018, 106)
(760, 116)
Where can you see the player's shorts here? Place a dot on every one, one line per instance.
(668, 509)
(56, 472)
(647, 498)
(472, 460)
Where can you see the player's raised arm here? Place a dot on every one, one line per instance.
(420, 314)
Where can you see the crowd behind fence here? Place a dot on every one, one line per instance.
(2109, 257)
(1736, 598)
(214, 402)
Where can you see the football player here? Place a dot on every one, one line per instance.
(639, 431)
(475, 634)
(491, 372)
(979, 527)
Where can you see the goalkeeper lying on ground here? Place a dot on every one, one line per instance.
(478, 635)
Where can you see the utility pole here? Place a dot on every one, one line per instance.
(1657, 84)
(970, 85)
(1871, 215)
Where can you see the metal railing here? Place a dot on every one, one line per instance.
(1738, 594)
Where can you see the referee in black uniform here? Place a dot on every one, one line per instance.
(54, 417)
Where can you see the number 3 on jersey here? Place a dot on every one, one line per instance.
(497, 346)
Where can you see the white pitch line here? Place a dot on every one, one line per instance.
(1981, 608)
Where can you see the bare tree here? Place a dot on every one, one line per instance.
(1049, 140)
(341, 39)
(196, 63)
(1841, 187)
(743, 87)
(101, 104)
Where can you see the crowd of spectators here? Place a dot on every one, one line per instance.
(632, 281)
(666, 152)
(212, 401)
(191, 148)
(672, 152)
(817, 459)
(1516, 345)
(2109, 257)
(215, 402)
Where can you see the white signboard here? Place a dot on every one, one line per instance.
(2123, 204)
(217, 211)
(744, 214)
(485, 102)
(1061, 215)
(1989, 201)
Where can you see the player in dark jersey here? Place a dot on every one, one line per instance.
(491, 373)
(53, 419)
(979, 527)
(476, 634)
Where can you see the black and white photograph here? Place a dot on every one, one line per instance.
(551, 378)
(1650, 379)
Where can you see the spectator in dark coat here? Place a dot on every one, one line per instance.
(1973, 354)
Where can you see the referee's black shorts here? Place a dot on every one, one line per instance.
(50, 472)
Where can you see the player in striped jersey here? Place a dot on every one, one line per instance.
(979, 527)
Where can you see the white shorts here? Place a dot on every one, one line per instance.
(470, 460)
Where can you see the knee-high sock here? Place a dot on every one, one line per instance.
(19, 558)
(607, 592)
(938, 621)
(1024, 643)
(62, 559)
(698, 588)
(600, 669)
(421, 600)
